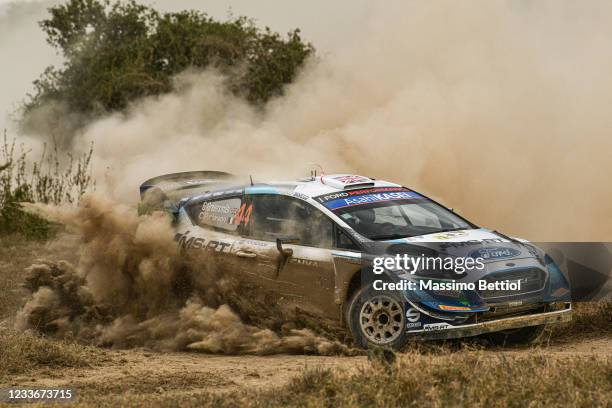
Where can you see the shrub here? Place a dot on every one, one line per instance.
(46, 181)
(118, 52)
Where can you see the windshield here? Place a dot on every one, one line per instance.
(392, 213)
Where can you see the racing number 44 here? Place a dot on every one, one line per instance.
(244, 214)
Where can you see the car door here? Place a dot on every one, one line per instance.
(306, 278)
(255, 260)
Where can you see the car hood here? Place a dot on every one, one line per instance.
(497, 251)
(489, 245)
(500, 254)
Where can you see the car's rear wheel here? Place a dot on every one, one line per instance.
(376, 318)
(514, 337)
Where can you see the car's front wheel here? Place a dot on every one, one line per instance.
(376, 318)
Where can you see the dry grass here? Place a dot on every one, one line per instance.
(427, 375)
(16, 253)
(430, 375)
(52, 179)
(589, 319)
(23, 352)
(469, 378)
(455, 379)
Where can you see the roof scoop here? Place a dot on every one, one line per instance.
(346, 181)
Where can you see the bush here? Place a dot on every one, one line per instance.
(118, 52)
(46, 181)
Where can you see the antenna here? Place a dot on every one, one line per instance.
(251, 178)
(313, 172)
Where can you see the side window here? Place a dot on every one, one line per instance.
(421, 217)
(217, 214)
(277, 215)
(343, 241)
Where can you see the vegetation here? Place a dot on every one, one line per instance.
(424, 376)
(120, 51)
(588, 319)
(49, 180)
(115, 53)
(467, 378)
(452, 380)
(21, 352)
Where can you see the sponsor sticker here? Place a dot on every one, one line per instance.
(461, 244)
(413, 315)
(450, 307)
(449, 235)
(352, 193)
(494, 253)
(190, 242)
(412, 318)
(371, 198)
(303, 262)
(351, 179)
(437, 326)
(300, 196)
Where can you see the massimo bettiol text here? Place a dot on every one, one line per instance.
(423, 266)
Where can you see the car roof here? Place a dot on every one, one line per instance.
(306, 188)
(319, 185)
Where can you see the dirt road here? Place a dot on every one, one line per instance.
(143, 371)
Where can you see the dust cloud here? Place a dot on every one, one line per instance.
(498, 109)
(130, 287)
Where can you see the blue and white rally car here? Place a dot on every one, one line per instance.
(319, 244)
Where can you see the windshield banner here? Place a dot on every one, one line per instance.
(343, 199)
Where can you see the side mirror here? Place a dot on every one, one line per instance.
(286, 252)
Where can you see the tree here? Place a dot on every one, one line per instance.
(118, 52)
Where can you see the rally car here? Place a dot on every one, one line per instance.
(314, 242)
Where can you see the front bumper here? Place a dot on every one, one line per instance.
(441, 331)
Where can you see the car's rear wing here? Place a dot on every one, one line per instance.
(185, 180)
(172, 187)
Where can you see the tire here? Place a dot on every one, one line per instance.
(515, 337)
(376, 318)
